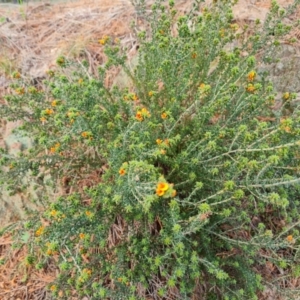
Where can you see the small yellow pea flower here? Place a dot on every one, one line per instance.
(139, 116)
(54, 103)
(164, 115)
(40, 231)
(251, 76)
(122, 172)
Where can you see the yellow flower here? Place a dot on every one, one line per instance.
(250, 88)
(55, 148)
(85, 134)
(122, 172)
(87, 271)
(194, 55)
(174, 193)
(54, 103)
(88, 213)
(104, 40)
(81, 236)
(290, 238)
(53, 213)
(40, 231)
(163, 186)
(49, 252)
(164, 115)
(80, 81)
(134, 97)
(49, 111)
(158, 141)
(286, 96)
(16, 75)
(202, 86)
(52, 150)
(163, 152)
(53, 288)
(251, 76)
(43, 119)
(159, 192)
(150, 94)
(145, 112)
(139, 116)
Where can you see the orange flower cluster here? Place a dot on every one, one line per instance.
(161, 188)
(131, 96)
(285, 125)
(88, 213)
(104, 40)
(165, 189)
(122, 172)
(286, 96)
(165, 142)
(53, 213)
(141, 114)
(87, 271)
(164, 115)
(48, 111)
(202, 86)
(251, 76)
(87, 135)
(54, 103)
(55, 148)
(72, 116)
(134, 97)
(250, 88)
(16, 75)
(53, 288)
(40, 231)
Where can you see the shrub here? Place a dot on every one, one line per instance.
(181, 186)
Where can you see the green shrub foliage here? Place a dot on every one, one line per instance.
(182, 185)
